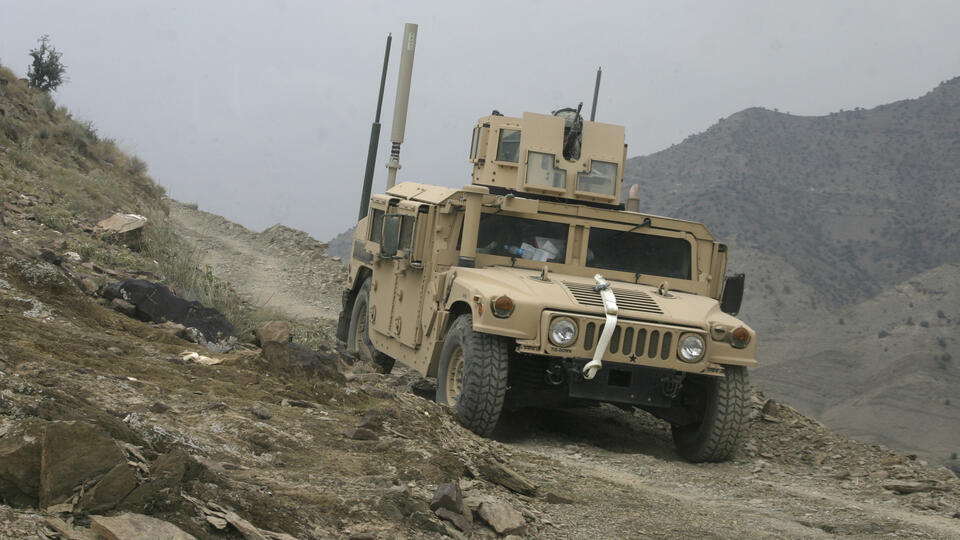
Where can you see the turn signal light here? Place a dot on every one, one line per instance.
(502, 306)
(740, 337)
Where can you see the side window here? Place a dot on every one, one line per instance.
(376, 225)
(508, 148)
(406, 232)
(474, 142)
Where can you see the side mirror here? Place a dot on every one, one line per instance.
(390, 238)
(732, 294)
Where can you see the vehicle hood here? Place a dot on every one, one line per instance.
(564, 292)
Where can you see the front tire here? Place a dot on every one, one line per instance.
(358, 334)
(721, 405)
(472, 375)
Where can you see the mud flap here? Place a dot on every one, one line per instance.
(343, 323)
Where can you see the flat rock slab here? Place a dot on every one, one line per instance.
(136, 527)
(499, 473)
(502, 517)
(904, 487)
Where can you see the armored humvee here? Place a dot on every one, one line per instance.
(534, 286)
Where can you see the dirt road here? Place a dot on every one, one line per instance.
(277, 269)
(793, 479)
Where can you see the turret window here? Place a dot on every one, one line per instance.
(508, 148)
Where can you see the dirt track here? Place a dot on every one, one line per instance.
(265, 269)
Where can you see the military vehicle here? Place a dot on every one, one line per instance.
(534, 286)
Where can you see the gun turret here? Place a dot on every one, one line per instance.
(550, 156)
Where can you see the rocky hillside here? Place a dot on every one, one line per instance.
(820, 212)
(885, 370)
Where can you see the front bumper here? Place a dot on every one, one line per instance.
(638, 343)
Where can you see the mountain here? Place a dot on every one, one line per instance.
(820, 212)
(848, 228)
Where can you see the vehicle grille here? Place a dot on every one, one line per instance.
(632, 342)
(631, 300)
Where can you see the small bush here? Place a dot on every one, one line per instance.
(137, 166)
(45, 102)
(57, 219)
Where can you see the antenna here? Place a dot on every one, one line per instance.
(596, 92)
(374, 139)
(408, 48)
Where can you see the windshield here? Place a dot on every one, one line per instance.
(639, 253)
(522, 238)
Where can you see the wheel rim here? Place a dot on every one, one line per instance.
(454, 379)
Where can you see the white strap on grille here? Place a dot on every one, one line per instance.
(610, 309)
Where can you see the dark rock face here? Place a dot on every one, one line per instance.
(111, 490)
(157, 304)
(20, 451)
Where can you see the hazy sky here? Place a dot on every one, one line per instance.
(261, 111)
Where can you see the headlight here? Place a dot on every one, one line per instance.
(691, 348)
(563, 332)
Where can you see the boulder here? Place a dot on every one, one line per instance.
(293, 356)
(448, 504)
(168, 472)
(20, 450)
(502, 517)
(450, 497)
(135, 527)
(62, 467)
(278, 331)
(261, 412)
(157, 304)
(124, 228)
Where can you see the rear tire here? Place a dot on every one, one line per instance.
(722, 404)
(358, 334)
(472, 375)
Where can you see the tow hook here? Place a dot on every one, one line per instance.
(610, 309)
(671, 385)
(555, 374)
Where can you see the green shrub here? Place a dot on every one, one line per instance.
(46, 71)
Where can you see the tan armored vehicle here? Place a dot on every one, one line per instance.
(533, 286)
